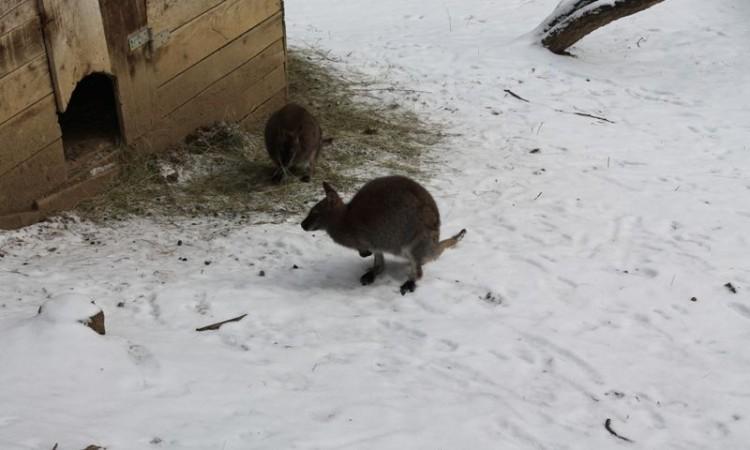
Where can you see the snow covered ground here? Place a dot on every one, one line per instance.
(568, 302)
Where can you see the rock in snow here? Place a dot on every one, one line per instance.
(73, 308)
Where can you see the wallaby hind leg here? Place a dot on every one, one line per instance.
(309, 171)
(377, 269)
(415, 274)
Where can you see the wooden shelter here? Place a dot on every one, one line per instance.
(80, 79)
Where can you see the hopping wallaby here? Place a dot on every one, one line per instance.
(293, 141)
(394, 215)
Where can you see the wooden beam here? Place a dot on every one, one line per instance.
(19, 220)
(76, 44)
(205, 34)
(172, 14)
(28, 132)
(136, 89)
(20, 45)
(188, 84)
(24, 87)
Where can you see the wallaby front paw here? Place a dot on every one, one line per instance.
(365, 253)
(367, 278)
(409, 286)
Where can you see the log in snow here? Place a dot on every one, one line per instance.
(574, 19)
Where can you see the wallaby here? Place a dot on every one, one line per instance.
(394, 215)
(293, 141)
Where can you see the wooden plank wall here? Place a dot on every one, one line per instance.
(32, 161)
(224, 64)
(225, 60)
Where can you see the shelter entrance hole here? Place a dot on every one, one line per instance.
(90, 124)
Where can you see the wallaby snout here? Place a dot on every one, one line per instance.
(309, 224)
(293, 141)
(394, 215)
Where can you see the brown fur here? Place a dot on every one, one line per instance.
(394, 215)
(293, 141)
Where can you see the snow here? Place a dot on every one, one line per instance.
(568, 302)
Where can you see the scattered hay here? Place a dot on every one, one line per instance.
(225, 171)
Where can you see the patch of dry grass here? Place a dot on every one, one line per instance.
(224, 170)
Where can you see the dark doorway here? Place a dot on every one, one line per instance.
(90, 125)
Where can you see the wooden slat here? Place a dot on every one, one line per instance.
(228, 99)
(24, 87)
(189, 83)
(256, 120)
(76, 44)
(28, 132)
(36, 177)
(172, 14)
(20, 45)
(209, 32)
(25, 12)
(7, 5)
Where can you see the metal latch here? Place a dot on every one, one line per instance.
(146, 35)
(139, 38)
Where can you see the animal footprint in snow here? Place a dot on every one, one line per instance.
(143, 358)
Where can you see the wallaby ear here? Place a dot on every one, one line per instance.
(331, 193)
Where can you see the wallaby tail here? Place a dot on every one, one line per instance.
(448, 243)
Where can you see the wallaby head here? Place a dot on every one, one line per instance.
(325, 212)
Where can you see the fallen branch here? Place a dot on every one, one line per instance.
(515, 95)
(217, 325)
(608, 426)
(574, 19)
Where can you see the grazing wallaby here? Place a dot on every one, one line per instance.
(393, 215)
(293, 140)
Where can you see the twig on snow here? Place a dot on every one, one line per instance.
(390, 89)
(516, 95)
(217, 325)
(537, 196)
(592, 116)
(608, 426)
(16, 271)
